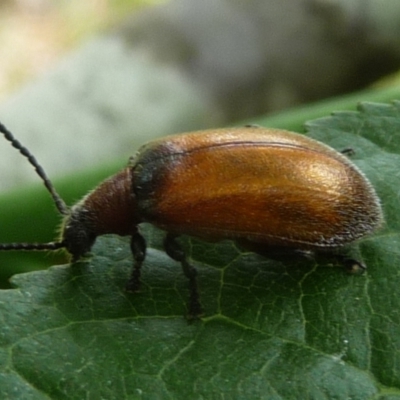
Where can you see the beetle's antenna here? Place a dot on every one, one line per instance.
(32, 246)
(59, 202)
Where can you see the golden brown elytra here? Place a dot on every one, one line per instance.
(265, 188)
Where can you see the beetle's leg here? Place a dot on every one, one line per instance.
(348, 151)
(138, 248)
(253, 126)
(175, 251)
(351, 265)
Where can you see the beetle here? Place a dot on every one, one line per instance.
(266, 189)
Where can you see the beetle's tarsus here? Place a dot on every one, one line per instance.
(353, 266)
(348, 151)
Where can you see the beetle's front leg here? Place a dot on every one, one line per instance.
(138, 248)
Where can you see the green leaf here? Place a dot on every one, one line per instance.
(272, 330)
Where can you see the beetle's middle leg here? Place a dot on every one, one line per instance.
(175, 251)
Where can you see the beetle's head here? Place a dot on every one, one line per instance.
(76, 233)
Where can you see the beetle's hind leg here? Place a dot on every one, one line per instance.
(138, 248)
(175, 251)
(351, 265)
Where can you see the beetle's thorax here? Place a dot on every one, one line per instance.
(110, 208)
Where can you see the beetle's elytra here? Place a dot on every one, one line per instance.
(265, 188)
